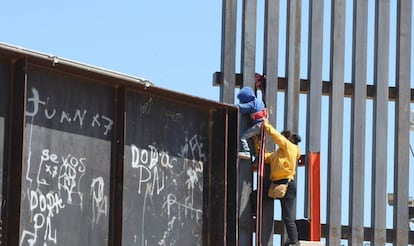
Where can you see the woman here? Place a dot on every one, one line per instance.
(282, 171)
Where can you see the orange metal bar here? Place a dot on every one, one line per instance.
(315, 195)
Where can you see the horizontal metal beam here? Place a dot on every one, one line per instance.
(346, 232)
(326, 87)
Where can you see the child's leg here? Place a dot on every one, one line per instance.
(244, 146)
(251, 131)
(247, 135)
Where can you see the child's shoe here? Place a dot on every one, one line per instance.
(244, 155)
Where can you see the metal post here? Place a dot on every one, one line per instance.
(336, 112)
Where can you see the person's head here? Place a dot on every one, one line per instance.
(246, 94)
(293, 137)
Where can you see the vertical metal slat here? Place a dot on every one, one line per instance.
(379, 162)
(270, 60)
(336, 110)
(293, 68)
(245, 179)
(293, 62)
(271, 44)
(401, 162)
(315, 75)
(248, 54)
(228, 51)
(314, 111)
(358, 116)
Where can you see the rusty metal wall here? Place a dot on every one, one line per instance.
(4, 123)
(94, 157)
(359, 93)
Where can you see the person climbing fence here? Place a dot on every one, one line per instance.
(255, 108)
(282, 173)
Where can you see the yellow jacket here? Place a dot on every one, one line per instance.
(283, 160)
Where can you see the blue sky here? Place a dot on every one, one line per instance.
(174, 44)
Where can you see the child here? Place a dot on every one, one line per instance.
(250, 105)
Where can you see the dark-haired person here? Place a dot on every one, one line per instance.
(282, 171)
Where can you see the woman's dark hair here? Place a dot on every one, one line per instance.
(293, 137)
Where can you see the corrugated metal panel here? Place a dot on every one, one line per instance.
(112, 158)
(12, 185)
(4, 124)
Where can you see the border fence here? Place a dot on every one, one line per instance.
(81, 151)
(366, 162)
(93, 157)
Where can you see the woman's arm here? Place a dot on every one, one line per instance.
(278, 138)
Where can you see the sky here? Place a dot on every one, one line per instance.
(174, 44)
